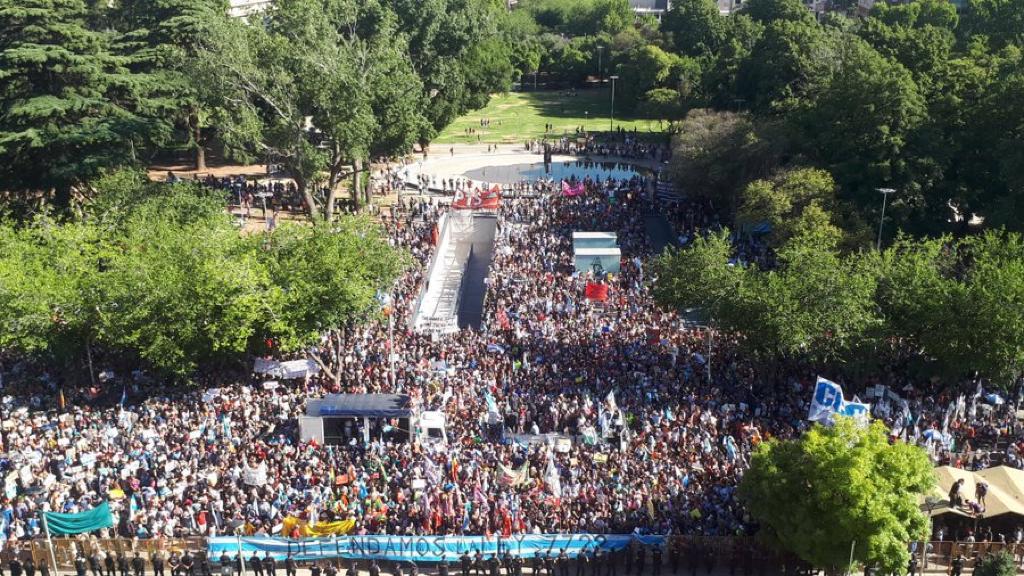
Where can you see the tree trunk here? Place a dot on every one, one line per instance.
(357, 167)
(311, 209)
(200, 159)
(197, 140)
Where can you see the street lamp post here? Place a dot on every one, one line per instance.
(600, 74)
(611, 116)
(885, 196)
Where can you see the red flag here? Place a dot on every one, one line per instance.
(433, 235)
(597, 291)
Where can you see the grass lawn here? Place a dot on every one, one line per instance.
(519, 116)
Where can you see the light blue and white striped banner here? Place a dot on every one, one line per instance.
(419, 548)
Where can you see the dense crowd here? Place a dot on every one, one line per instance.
(565, 413)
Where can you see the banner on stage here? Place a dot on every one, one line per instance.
(417, 548)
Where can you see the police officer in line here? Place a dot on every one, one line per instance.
(30, 566)
(656, 560)
(269, 564)
(563, 563)
(352, 569)
(442, 568)
(79, 566)
(255, 564)
(157, 560)
(138, 565)
(96, 562)
(122, 564)
(374, 568)
(290, 567)
(108, 563)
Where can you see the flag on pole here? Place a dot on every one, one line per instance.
(827, 400)
(551, 477)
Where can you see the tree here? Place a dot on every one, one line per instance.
(998, 564)
(162, 37)
(47, 290)
(790, 60)
(661, 103)
(442, 36)
(789, 203)
(642, 70)
(697, 28)
(59, 130)
(815, 304)
(768, 11)
(716, 153)
(326, 277)
(855, 489)
(341, 65)
(1001, 22)
(872, 108)
(918, 35)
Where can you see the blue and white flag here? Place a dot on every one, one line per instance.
(856, 410)
(827, 400)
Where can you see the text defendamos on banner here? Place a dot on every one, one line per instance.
(419, 548)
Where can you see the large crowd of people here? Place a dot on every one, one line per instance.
(565, 413)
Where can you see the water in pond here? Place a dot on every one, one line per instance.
(556, 171)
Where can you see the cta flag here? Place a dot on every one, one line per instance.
(827, 400)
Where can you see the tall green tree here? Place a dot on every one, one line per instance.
(872, 107)
(716, 153)
(69, 107)
(163, 38)
(856, 492)
(327, 277)
(696, 27)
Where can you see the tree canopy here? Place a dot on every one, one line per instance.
(159, 273)
(836, 488)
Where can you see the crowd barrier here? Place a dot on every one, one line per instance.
(743, 554)
(66, 549)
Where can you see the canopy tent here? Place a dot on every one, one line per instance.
(361, 405)
(1004, 496)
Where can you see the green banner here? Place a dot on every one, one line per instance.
(98, 517)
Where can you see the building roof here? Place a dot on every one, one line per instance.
(361, 405)
(1005, 490)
